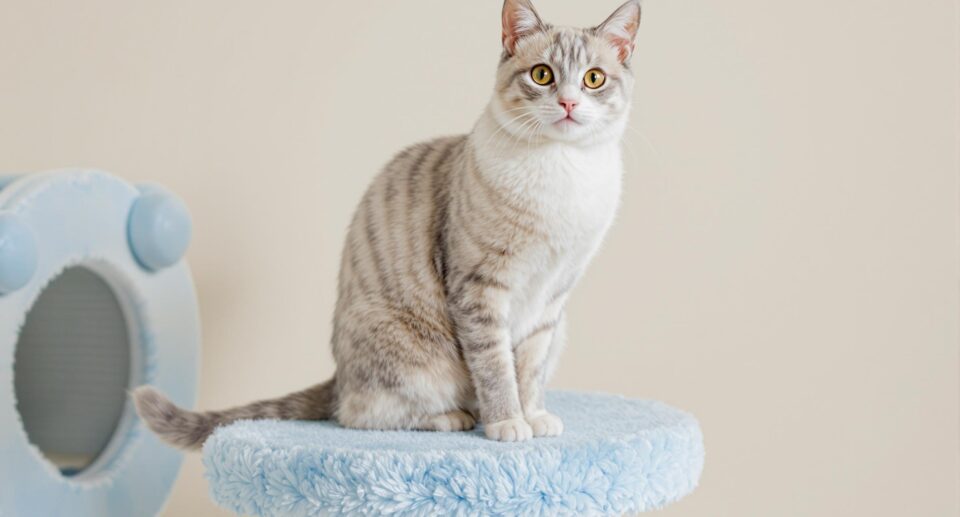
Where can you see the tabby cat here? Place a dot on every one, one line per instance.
(461, 256)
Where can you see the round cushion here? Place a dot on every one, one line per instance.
(616, 456)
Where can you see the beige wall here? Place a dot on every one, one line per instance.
(784, 266)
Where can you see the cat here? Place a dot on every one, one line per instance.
(462, 253)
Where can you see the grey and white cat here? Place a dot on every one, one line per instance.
(460, 258)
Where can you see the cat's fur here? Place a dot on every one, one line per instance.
(459, 260)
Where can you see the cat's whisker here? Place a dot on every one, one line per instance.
(634, 155)
(503, 127)
(526, 113)
(656, 152)
(522, 131)
(531, 135)
(537, 132)
(518, 131)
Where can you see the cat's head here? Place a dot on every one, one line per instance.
(561, 83)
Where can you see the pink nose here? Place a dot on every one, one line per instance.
(568, 105)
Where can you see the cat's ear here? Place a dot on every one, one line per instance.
(620, 29)
(520, 20)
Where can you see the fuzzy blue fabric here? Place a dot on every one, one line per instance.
(617, 456)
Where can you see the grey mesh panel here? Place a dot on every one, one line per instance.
(72, 369)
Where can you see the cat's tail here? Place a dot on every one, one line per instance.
(189, 429)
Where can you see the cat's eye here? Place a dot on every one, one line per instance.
(594, 78)
(541, 74)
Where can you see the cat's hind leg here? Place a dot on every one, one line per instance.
(388, 411)
(393, 374)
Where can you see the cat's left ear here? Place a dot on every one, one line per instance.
(620, 29)
(520, 20)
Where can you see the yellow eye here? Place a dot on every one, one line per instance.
(541, 74)
(594, 78)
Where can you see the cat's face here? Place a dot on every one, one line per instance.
(565, 84)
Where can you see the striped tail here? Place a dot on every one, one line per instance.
(189, 429)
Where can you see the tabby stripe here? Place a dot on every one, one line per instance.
(530, 92)
(416, 179)
(386, 234)
(605, 94)
(363, 267)
(539, 329)
(485, 319)
(499, 202)
(481, 345)
(472, 234)
(558, 47)
(500, 217)
(439, 216)
(407, 227)
(498, 198)
(580, 49)
(482, 280)
(358, 275)
(420, 326)
(479, 317)
(373, 244)
(562, 291)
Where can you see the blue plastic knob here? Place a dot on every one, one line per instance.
(159, 228)
(18, 253)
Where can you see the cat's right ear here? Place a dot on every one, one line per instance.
(520, 20)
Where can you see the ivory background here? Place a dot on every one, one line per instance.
(785, 263)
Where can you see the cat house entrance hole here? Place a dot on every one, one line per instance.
(72, 370)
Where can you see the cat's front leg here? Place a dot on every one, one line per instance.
(479, 307)
(535, 357)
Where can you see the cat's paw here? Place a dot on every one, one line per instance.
(545, 424)
(452, 421)
(510, 430)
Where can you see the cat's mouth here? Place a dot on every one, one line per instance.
(567, 121)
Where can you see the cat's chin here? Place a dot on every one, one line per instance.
(591, 133)
(573, 132)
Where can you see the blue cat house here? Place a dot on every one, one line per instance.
(95, 299)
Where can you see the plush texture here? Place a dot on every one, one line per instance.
(617, 456)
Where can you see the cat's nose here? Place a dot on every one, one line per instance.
(568, 105)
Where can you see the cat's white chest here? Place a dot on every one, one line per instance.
(575, 194)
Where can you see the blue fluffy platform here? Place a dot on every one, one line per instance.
(617, 456)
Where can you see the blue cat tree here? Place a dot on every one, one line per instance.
(95, 299)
